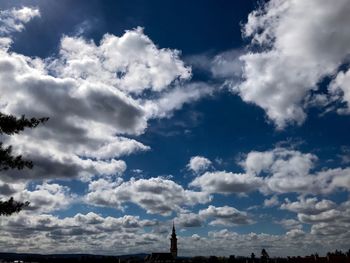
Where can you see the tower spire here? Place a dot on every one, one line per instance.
(173, 242)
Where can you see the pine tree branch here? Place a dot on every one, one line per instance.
(11, 206)
(8, 161)
(9, 124)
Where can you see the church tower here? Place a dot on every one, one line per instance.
(173, 243)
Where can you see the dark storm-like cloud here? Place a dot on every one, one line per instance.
(94, 96)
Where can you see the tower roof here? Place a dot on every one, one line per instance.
(173, 231)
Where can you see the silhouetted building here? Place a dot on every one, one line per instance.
(173, 242)
(264, 256)
(165, 257)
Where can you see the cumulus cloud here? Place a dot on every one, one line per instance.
(225, 216)
(96, 234)
(13, 20)
(308, 205)
(326, 216)
(290, 224)
(331, 223)
(327, 219)
(331, 230)
(311, 210)
(156, 195)
(82, 232)
(296, 44)
(198, 164)
(134, 57)
(340, 89)
(273, 201)
(217, 216)
(295, 233)
(47, 197)
(280, 170)
(226, 182)
(43, 198)
(189, 220)
(95, 96)
(287, 170)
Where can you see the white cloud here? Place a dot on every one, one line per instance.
(227, 182)
(225, 216)
(279, 161)
(94, 95)
(331, 230)
(308, 205)
(198, 164)
(278, 171)
(327, 219)
(189, 220)
(43, 198)
(94, 233)
(257, 162)
(340, 89)
(312, 211)
(290, 224)
(273, 201)
(286, 170)
(156, 195)
(299, 43)
(47, 197)
(174, 99)
(332, 223)
(326, 216)
(14, 19)
(24, 14)
(119, 147)
(215, 216)
(140, 64)
(295, 233)
(75, 234)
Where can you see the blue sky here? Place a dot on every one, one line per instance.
(229, 117)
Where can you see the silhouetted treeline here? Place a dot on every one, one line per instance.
(331, 257)
(70, 258)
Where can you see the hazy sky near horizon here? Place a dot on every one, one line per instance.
(229, 117)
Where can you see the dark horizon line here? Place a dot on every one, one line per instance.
(67, 255)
